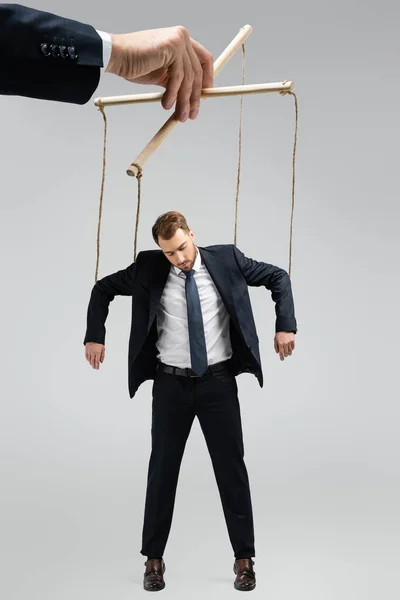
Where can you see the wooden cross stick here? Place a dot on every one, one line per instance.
(171, 123)
(238, 90)
(232, 90)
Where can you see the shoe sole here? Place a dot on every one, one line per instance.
(239, 589)
(155, 590)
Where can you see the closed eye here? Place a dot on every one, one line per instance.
(172, 253)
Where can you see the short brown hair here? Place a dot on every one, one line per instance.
(168, 224)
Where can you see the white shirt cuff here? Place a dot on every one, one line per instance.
(107, 44)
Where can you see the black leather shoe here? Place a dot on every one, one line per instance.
(153, 579)
(245, 576)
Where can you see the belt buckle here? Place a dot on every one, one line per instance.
(189, 372)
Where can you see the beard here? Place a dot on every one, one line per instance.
(190, 262)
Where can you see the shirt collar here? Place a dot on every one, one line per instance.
(196, 266)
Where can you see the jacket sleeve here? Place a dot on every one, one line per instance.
(46, 56)
(277, 281)
(104, 292)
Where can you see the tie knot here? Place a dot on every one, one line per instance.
(190, 273)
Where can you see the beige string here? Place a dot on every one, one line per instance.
(140, 174)
(139, 178)
(293, 179)
(101, 109)
(293, 165)
(240, 149)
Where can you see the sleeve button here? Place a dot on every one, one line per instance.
(54, 50)
(45, 49)
(72, 52)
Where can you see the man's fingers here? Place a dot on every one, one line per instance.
(185, 91)
(207, 64)
(197, 83)
(94, 354)
(175, 77)
(94, 360)
(285, 348)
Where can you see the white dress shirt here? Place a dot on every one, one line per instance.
(172, 322)
(107, 44)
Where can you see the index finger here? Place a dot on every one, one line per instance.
(207, 63)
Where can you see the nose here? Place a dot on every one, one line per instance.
(180, 258)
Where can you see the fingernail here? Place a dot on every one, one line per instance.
(194, 113)
(184, 117)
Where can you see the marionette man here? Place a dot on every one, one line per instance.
(193, 332)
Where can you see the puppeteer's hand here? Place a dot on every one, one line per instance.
(168, 57)
(284, 343)
(95, 354)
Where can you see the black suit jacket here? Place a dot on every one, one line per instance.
(48, 57)
(232, 273)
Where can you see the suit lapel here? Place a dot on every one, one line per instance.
(160, 276)
(220, 276)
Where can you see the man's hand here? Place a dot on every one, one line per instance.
(95, 354)
(168, 57)
(284, 344)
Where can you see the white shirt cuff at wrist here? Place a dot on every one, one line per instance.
(107, 44)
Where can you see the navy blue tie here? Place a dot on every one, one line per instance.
(198, 350)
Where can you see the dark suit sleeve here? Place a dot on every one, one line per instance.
(277, 281)
(46, 56)
(104, 292)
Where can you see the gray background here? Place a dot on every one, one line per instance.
(321, 438)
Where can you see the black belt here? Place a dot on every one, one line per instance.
(216, 368)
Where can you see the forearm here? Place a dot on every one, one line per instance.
(104, 292)
(281, 293)
(97, 313)
(275, 279)
(23, 31)
(46, 56)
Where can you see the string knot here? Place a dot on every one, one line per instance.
(139, 170)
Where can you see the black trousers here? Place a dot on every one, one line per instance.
(176, 401)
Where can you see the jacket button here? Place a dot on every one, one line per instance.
(63, 51)
(54, 50)
(45, 49)
(72, 52)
